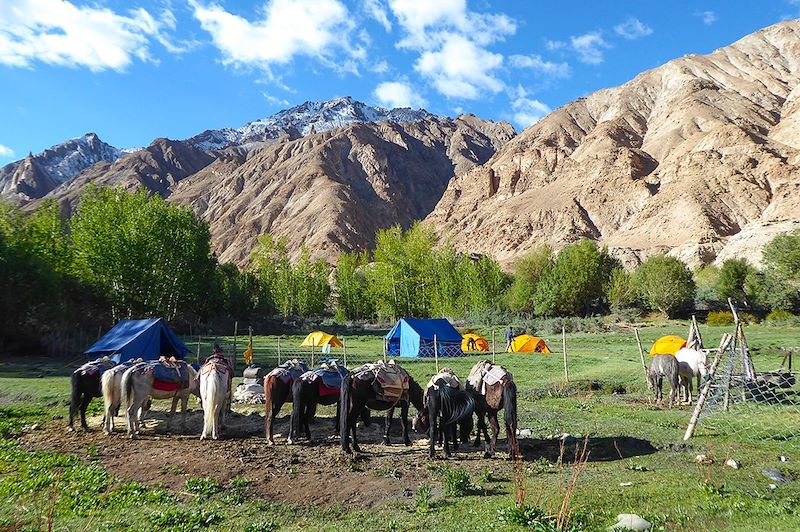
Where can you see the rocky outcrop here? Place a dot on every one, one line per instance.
(681, 159)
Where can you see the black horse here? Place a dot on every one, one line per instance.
(305, 398)
(358, 395)
(85, 387)
(445, 408)
(501, 395)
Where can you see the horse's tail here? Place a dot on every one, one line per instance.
(344, 406)
(510, 415)
(298, 408)
(75, 398)
(126, 386)
(455, 404)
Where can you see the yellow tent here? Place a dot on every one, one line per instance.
(525, 343)
(667, 345)
(320, 338)
(479, 343)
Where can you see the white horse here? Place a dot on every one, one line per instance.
(692, 363)
(215, 394)
(110, 385)
(137, 388)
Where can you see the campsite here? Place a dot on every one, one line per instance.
(637, 461)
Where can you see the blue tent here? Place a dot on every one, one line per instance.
(147, 339)
(414, 338)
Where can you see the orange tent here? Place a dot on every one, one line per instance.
(667, 345)
(525, 343)
(478, 343)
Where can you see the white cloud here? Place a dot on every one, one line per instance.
(555, 45)
(381, 67)
(58, 32)
(5, 151)
(377, 11)
(632, 29)
(528, 111)
(393, 94)
(708, 17)
(461, 68)
(589, 47)
(274, 100)
(453, 43)
(536, 63)
(287, 28)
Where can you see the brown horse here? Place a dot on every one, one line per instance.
(278, 391)
(493, 388)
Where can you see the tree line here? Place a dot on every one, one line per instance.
(129, 254)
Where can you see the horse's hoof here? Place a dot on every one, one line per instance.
(407, 443)
(356, 449)
(487, 454)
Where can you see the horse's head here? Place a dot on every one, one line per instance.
(702, 362)
(420, 422)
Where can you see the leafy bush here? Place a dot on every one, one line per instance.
(719, 318)
(204, 486)
(457, 482)
(782, 317)
(185, 520)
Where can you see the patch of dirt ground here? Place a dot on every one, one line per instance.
(305, 473)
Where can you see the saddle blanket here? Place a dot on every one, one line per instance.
(485, 374)
(289, 370)
(96, 366)
(168, 376)
(329, 375)
(389, 379)
(447, 376)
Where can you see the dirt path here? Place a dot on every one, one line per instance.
(315, 474)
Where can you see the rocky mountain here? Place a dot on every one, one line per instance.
(331, 191)
(698, 158)
(36, 175)
(310, 117)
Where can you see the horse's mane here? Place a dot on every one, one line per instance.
(455, 404)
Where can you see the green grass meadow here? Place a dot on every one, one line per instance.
(638, 462)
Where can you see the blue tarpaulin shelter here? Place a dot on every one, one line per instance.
(414, 338)
(147, 339)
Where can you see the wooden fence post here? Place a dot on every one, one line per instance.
(198, 349)
(436, 353)
(723, 346)
(493, 351)
(279, 351)
(641, 355)
(344, 350)
(235, 337)
(564, 344)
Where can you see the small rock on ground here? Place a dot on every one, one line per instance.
(774, 474)
(733, 464)
(631, 522)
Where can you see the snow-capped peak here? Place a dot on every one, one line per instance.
(66, 160)
(303, 119)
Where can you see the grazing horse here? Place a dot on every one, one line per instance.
(278, 391)
(359, 393)
(494, 389)
(310, 390)
(110, 384)
(446, 404)
(692, 363)
(85, 387)
(137, 388)
(662, 366)
(215, 377)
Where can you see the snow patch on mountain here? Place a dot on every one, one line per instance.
(301, 120)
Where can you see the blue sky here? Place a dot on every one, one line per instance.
(135, 70)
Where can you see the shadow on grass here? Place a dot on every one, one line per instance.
(607, 449)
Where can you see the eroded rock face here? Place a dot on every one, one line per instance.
(331, 191)
(684, 159)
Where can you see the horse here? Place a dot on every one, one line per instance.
(662, 366)
(215, 378)
(308, 391)
(278, 391)
(494, 389)
(110, 385)
(445, 407)
(358, 394)
(85, 387)
(137, 388)
(692, 363)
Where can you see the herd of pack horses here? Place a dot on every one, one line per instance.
(445, 406)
